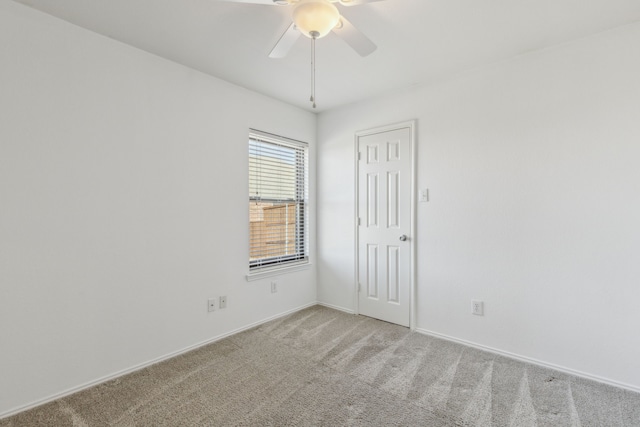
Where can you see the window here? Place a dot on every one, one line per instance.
(277, 202)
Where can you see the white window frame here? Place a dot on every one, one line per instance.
(300, 260)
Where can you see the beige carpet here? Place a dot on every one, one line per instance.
(321, 367)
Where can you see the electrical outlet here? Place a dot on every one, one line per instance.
(211, 304)
(477, 307)
(223, 302)
(274, 287)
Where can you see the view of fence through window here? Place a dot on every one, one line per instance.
(277, 197)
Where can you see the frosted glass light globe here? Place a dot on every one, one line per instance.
(315, 17)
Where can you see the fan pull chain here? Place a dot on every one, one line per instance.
(313, 68)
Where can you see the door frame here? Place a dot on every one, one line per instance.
(411, 124)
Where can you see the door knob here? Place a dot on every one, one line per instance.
(403, 238)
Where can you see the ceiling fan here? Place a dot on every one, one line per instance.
(315, 19)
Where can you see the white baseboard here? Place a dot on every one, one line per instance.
(531, 360)
(110, 377)
(346, 310)
(336, 307)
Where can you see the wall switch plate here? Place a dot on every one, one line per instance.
(223, 302)
(424, 195)
(211, 304)
(477, 307)
(274, 287)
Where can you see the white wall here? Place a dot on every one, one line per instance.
(532, 166)
(123, 207)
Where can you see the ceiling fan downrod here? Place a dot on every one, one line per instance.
(314, 36)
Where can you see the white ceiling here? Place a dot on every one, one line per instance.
(419, 41)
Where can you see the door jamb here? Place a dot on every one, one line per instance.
(411, 124)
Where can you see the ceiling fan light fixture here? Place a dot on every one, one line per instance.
(315, 18)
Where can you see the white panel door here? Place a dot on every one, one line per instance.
(384, 217)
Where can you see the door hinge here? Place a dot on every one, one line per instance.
(359, 286)
(359, 221)
(359, 155)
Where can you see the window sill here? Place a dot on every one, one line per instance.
(276, 271)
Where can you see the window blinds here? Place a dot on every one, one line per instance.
(277, 201)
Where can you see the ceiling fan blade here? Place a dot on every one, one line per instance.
(356, 2)
(285, 43)
(354, 38)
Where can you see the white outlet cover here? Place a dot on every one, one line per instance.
(211, 304)
(477, 307)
